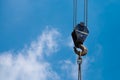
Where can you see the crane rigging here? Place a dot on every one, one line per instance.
(79, 34)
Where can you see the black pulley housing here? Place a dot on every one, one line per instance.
(79, 34)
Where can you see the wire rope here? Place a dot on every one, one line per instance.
(79, 61)
(74, 13)
(86, 12)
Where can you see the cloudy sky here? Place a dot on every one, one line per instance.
(35, 40)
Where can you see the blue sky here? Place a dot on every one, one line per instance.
(30, 28)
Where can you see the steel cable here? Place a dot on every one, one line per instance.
(74, 13)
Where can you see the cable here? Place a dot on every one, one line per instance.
(74, 13)
(86, 12)
(79, 61)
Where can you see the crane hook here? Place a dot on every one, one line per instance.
(81, 53)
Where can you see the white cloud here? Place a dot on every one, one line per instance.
(70, 42)
(70, 68)
(29, 63)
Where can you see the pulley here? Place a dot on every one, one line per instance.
(79, 34)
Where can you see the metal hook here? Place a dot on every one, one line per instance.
(81, 53)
